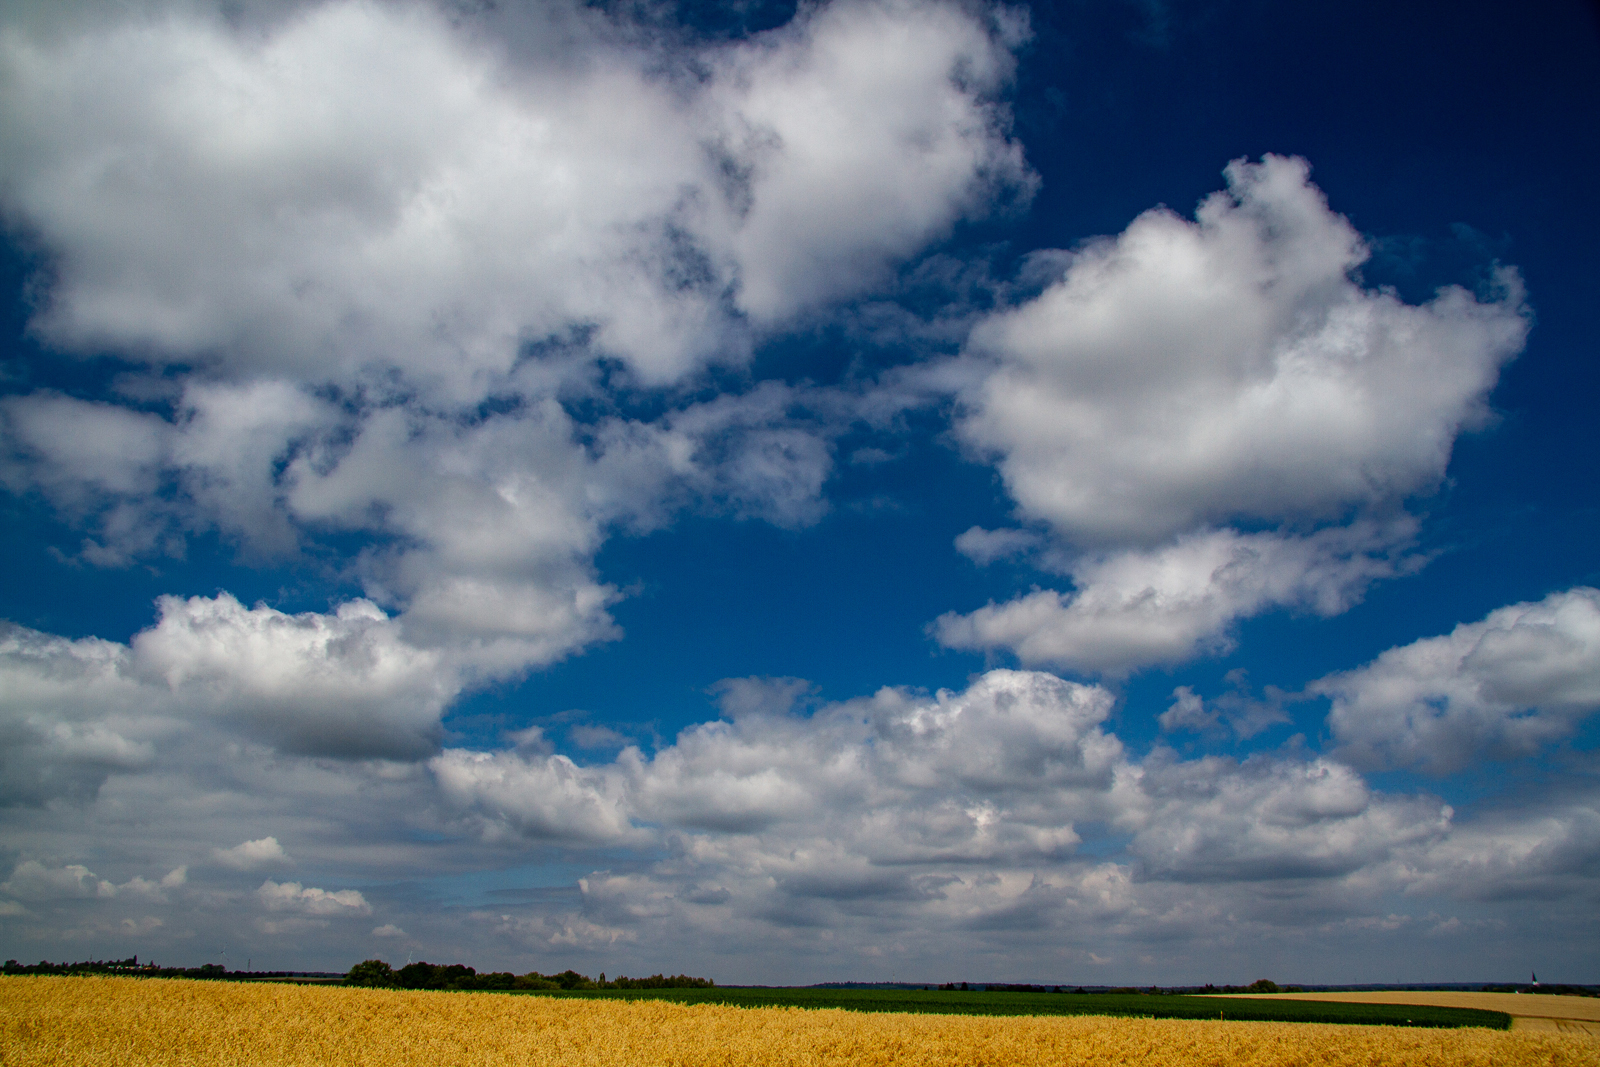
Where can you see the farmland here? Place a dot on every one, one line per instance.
(167, 1023)
(950, 1002)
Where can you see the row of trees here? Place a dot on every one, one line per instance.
(131, 966)
(423, 975)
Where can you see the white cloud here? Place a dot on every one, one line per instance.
(983, 547)
(70, 715)
(1539, 853)
(995, 819)
(309, 900)
(1133, 608)
(344, 684)
(229, 442)
(351, 186)
(32, 881)
(865, 128)
(1215, 820)
(388, 930)
(357, 182)
(1183, 374)
(77, 447)
(1236, 709)
(252, 855)
(542, 797)
(367, 253)
(1505, 686)
(1189, 712)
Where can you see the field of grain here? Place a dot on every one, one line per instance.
(1528, 1011)
(157, 1023)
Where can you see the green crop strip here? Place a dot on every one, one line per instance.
(1150, 1006)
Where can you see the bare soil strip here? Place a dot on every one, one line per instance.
(1528, 1011)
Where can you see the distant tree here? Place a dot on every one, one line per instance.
(1262, 985)
(374, 973)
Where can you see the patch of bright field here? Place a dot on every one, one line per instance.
(105, 1021)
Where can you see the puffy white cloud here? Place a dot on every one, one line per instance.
(1542, 853)
(1183, 374)
(999, 768)
(32, 881)
(1005, 818)
(862, 129)
(1215, 820)
(229, 443)
(376, 250)
(71, 713)
(356, 182)
(352, 186)
(252, 855)
(309, 900)
(1138, 607)
(543, 798)
(1003, 766)
(344, 684)
(1504, 686)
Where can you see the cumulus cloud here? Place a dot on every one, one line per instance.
(252, 855)
(1505, 686)
(1215, 820)
(1000, 767)
(1188, 374)
(71, 713)
(78, 448)
(983, 818)
(369, 255)
(1528, 854)
(864, 128)
(309, 900)
(963, 812)
(1191, 373)
(375, 186)
(383, 278)
(1138, 607)
(34, 882)
(344, 683)
(543, 798)
(31, 880)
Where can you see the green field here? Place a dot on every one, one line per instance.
(1148, 1006)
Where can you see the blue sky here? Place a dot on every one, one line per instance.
(891, 489)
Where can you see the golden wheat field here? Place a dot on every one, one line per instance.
(154, 1022)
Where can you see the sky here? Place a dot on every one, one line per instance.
(879, 490)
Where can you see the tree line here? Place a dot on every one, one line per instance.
(424, 975)
(133, 968)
